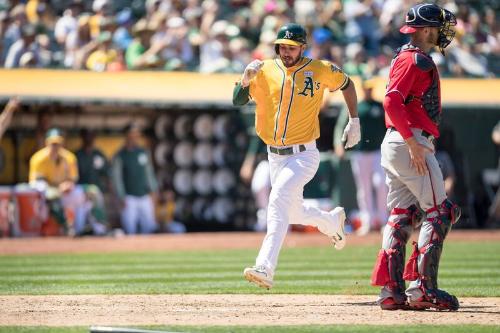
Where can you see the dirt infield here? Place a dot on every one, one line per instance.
(198, 241)
(130, 310)
(229, 310)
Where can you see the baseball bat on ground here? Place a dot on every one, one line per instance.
(108, 329)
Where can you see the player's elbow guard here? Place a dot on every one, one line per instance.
(241, 95)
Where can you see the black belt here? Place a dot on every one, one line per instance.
(285, 151)
(424, 133)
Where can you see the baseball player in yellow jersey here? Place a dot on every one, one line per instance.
(289, 92)
(54, 170)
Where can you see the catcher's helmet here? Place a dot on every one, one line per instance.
(431, 15)
(290, 34)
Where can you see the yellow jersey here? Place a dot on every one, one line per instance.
(289, 99)
(53, 172)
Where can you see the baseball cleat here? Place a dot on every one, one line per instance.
(259, 275)
(390, 304)
(338, 238)
(442, 302)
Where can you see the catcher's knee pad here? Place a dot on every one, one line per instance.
(450, 210)
(388, 270)
(424, 262)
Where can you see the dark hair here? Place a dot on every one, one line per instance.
(84, 132)
(131, 126)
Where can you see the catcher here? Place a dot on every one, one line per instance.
(412, 114)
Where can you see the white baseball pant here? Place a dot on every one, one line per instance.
(261, 188)
(289, 175)
(76, 201)
(370, 178)
(138, 212)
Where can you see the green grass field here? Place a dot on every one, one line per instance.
(468, 269)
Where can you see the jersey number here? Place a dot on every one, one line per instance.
(309, 87)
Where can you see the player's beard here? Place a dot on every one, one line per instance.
(289, 61)
(433, 37)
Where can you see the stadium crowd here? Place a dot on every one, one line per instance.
(212, 36)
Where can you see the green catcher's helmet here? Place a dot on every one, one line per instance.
(291, 34)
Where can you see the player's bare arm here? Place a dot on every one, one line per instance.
(351, 99)
(7, 113)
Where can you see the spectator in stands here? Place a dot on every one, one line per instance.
(40, 13)
(17, 19)
(361, 24)
(213, 42)
(153, 7)
(135, 184)
(27, 44)
(175, 49)
(214, 50)
(356, 61)
(54, 171)
(492, 46)
(265, 48)
(68, 23)
(79, 44)
(6, 115)
(102, 13)
(240, 54)
(321, 44)
(104, 55)
(122, 37)
(374, 25)
(469, 62)
(391, 18)
(45, 54)
(371, 190)
(4, 24)
(139, 53)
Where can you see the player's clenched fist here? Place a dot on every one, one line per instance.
(250, 71)
(352, 133)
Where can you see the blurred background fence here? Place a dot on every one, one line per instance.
(199, 140)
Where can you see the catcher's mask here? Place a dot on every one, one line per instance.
(430, 15)
(290, 34)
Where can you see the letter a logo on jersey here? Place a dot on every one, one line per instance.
(308, 86)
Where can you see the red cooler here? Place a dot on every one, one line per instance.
(5, 196)
(31, 211)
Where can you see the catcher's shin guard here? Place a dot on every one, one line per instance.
(424, 263)
(388, 270)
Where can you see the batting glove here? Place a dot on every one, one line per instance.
(250, 71)
(352, 133)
